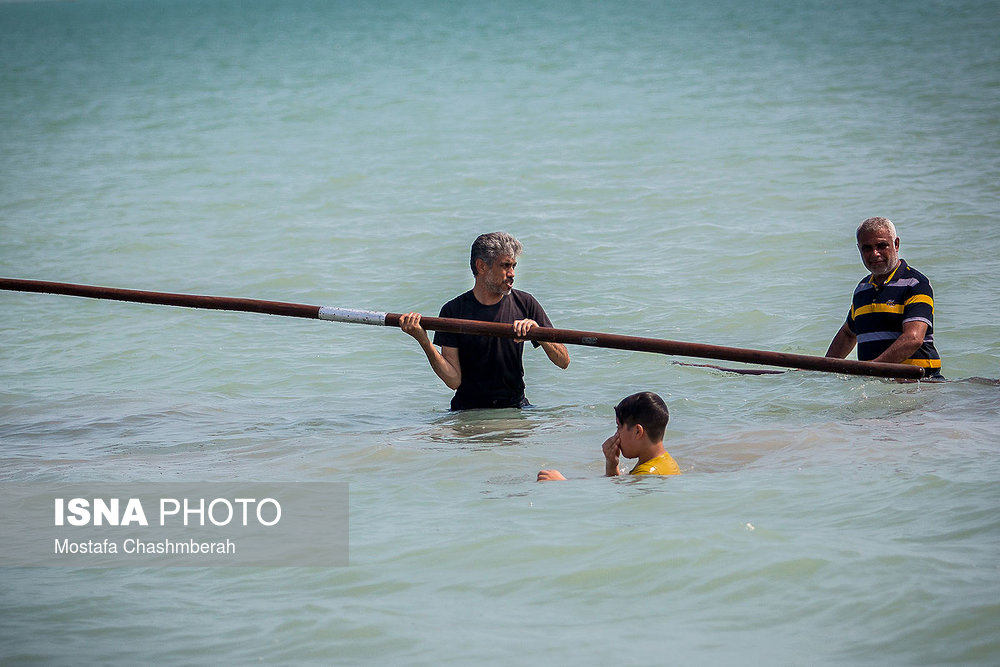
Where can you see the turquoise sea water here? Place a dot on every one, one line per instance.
(678, 170)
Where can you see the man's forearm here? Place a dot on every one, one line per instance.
(842, 343)
(449, 374)
(899, 351)
(557, 354)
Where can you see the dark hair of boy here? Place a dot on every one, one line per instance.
(646, 409)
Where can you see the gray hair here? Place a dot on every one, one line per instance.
(488, 247)
(876, 224)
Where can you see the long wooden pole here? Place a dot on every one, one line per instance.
(541, 334)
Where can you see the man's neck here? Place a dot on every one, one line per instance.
(486, 296)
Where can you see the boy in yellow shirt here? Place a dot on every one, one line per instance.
(642, 420)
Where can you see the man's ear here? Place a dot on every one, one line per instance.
(640, 431)
(481, 265)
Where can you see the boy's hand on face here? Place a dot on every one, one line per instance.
(612, 448)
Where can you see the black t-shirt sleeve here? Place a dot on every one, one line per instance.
(534, 311)
(446, 338)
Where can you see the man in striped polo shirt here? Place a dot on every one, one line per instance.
(892, 314)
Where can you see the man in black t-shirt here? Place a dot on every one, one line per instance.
(486, 371)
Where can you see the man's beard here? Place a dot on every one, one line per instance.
(501, 288)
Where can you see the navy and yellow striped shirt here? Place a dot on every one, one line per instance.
(879, 311)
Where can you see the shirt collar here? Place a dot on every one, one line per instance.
(900, 265)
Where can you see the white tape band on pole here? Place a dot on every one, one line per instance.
(351, 315)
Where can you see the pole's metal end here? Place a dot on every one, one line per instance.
(350, 315)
